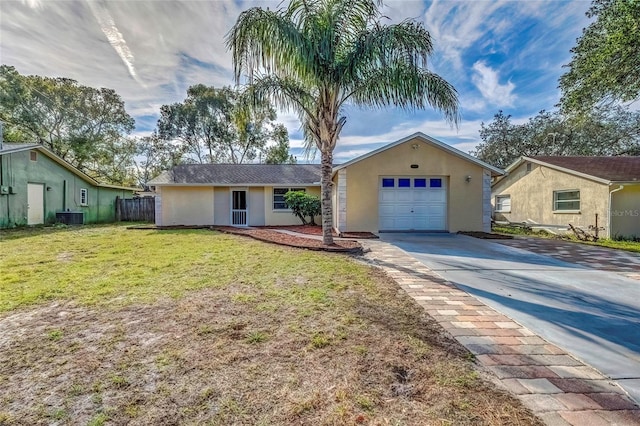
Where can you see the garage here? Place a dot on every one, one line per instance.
(412, 203)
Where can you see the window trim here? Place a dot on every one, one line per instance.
(273, 197)
(84, 197)
(498, 205)
(555, 201)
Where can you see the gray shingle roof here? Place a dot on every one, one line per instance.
(241, 174)
(615, 169)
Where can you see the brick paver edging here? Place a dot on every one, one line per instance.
(558, 388)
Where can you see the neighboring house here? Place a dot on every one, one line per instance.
(36, 186)
(414, 184)
(558, 191)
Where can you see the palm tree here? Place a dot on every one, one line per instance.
(315, 56)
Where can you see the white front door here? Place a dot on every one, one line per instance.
(239, 207)
(412, 203)
(35, 203)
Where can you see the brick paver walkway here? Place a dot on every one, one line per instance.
(558, 388)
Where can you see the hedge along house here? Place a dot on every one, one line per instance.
(414, 184)
(553, 192)
(231, 194)
(38, 187)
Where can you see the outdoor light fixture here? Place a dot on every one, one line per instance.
(468, 178)
(415, 146)
(49, 188)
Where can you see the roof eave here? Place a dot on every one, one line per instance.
(251, 185)
(565, 170)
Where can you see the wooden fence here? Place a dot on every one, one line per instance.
(142, 209)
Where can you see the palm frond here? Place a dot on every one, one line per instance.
(408, 87)
(264, 39)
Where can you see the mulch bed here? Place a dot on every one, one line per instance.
(486, 235)
(269, 236)
(317, 230)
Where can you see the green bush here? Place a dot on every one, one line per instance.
(303, 205)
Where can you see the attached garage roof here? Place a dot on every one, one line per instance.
(240, 174)
(614, 169)
(431, 141)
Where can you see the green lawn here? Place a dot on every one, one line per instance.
(104, 325)
(116, 266)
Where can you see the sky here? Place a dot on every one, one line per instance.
(499, 55)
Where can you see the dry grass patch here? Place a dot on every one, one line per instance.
(262, 335)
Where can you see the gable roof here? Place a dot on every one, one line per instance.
(240, 174)
(430, 141)
(10, 148)
(600, 169)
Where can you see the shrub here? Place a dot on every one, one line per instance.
(303, 205)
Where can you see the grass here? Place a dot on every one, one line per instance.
(631, 245)
(103, 325)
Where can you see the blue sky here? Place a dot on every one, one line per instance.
(500, 55)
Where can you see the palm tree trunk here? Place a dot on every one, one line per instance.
(327, 208)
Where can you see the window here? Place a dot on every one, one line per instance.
(503, 203)
(278, 197)
(404, 183)
(528, 167)
(435, 183)
(566, 200)
(84, 197)
(388, 182)
(33, 156)
(419, 183)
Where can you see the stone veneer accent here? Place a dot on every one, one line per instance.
(486, 201)
(342, 199)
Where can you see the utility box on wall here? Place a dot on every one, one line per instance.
(70, 218)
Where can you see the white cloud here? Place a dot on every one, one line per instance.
(457, 25)
(486, 79)
(33, 4)
(117, 41)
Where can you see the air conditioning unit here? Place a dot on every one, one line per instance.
(70, 218)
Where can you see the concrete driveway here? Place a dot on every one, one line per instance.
(592, 314)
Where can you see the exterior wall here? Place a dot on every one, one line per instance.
(255, 204)
(464, 204)
(283, 217)
(222, 203)
(62, 191)
(188, 205)
(532, 197)
(625, 211)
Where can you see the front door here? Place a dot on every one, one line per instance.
(239, 207)
(35, 203)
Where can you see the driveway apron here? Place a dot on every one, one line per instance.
(590, 314)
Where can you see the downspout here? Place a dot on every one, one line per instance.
(620, 187)
(64, 195)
